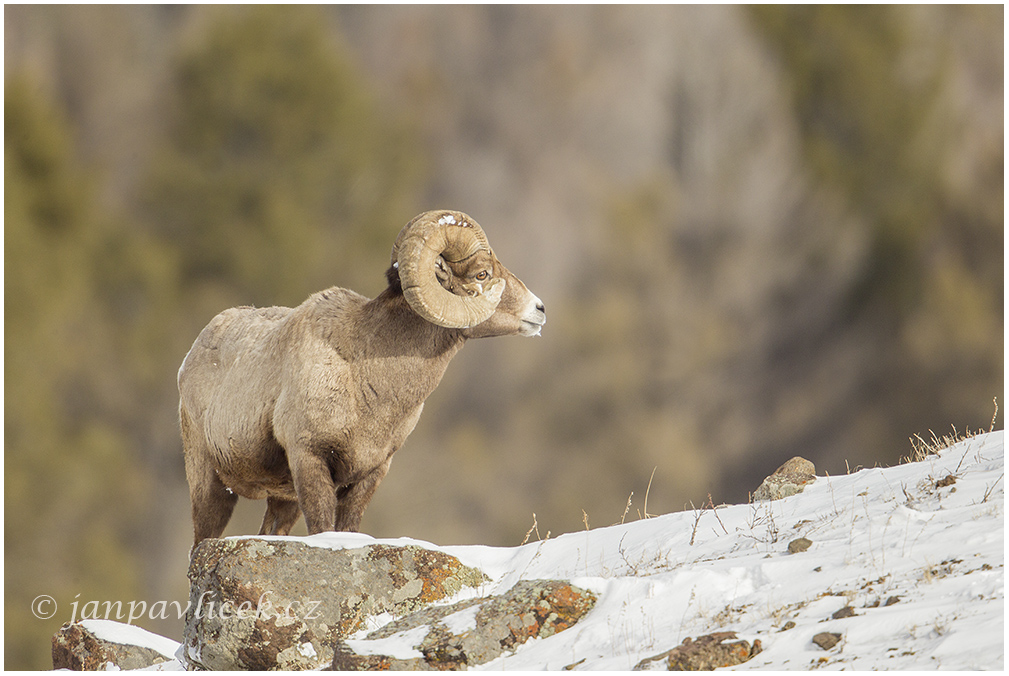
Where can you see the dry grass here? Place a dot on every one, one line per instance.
(535, 527)
(646, 515)
(922, 448)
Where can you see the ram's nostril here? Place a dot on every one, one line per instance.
(539, 306)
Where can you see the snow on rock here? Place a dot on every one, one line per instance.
(128, 634)
(473, 632)
(101, 645)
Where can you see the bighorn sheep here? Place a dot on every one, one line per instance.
(306, 406)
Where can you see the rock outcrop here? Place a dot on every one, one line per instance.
(470, 632)
(98, 645)
(283, 604)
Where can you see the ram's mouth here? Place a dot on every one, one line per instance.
(531, 328)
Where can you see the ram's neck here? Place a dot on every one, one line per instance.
(390, 326)
(400, 351)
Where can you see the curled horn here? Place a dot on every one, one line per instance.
(454, 236)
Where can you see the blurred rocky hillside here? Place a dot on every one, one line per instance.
(758, 233)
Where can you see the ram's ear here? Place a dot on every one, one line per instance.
(441, 270)
(451, 236)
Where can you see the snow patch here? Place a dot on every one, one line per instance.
(462, 621)
(128, 634)
(401, 646)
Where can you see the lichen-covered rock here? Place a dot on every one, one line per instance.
(787, 480)
(99, 645)
(706, 653)
(472, 632)
(283, 604)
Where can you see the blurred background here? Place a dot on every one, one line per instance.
(759, 232)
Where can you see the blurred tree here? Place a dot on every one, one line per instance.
(73, 493)
(864, 119)
(279, 176)
(876, 94)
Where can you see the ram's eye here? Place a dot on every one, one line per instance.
(482, 275)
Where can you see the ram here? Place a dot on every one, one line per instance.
(306, 406)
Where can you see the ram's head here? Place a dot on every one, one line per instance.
(451, 277)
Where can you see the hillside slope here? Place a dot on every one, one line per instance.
(904, 565)
(917, 556)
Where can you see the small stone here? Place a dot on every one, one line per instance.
(788, 625)
(947, 480)
(799, 545)
(847, 611)
(826, 640)
(797, 466)
(892, 600)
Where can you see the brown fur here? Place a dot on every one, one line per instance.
(306, 406)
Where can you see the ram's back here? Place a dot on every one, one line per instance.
(232, 360)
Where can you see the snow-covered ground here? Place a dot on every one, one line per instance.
(916, 555)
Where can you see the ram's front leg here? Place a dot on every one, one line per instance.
(316, 492)
(352, 499)
(280, 517)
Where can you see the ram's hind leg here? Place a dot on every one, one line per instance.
(281, 516)
(212, 502)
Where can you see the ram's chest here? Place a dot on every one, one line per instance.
(355, 425)
(366, 446)
(356, 411)
(374, 422)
